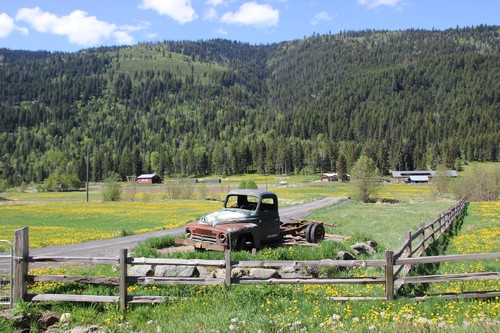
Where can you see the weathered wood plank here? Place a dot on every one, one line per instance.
(477, 294)
(76, 260)
(123, 279)
(448, 278)
(355, 298)
(69, 279)
(71, 298)
(180, 262)
(274, 281)
(173, 280)
(447, 258)
(21, 253)
(324, 262)
(389, 275)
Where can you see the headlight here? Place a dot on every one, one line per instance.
(222, 238)
(188, 233)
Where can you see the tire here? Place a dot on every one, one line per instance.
(315, 233)
(242, 243)
(308, 232)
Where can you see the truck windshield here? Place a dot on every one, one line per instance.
(242, 202)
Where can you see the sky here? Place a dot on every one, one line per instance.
(72, 25)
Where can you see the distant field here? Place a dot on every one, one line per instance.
(63, 218)
(58, 223)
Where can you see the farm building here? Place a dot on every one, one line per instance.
(149, 179)
(420, 176)
(329, 177)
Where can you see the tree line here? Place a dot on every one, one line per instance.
(410, 99)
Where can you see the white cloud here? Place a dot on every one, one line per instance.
(376, 3)
(123, 38)
(321, 16)
(252, 13)
(215, 3)
(6, 25)
(78, 26)
(210, 14)
(179, 10)
(222, 31)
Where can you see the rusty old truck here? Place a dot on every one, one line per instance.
(248, 219)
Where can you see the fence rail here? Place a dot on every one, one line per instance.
(396, 265)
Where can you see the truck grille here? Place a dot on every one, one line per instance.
(204, 232)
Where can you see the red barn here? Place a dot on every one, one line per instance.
(149, 179)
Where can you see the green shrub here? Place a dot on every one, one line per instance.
(111, 190)
(248, 184)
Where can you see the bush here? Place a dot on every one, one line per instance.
(248, 184)
(482, 185)
(4, 184)
(366, 176)
(112, 188)
(60, 182)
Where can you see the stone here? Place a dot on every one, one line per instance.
(343, 255)
(239, 272)
(140, 270)
(84, 329)
(65, 317)
(264, 273)
(48, 319)
(362, 248)
(176, 271)
(372, 243)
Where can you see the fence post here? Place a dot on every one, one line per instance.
(21, 253)
(227, 258)
(422, 246)
(123, 279)
(433, 231)
(408, 249)
(389, 275)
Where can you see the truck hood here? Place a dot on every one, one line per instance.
(226, 216)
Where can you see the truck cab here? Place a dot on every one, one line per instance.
(247, 219)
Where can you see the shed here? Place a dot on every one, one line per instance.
(329, 177)
(418, 179)
(149, 179)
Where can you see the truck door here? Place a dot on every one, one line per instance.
(269, 219)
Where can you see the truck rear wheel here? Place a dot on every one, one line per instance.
(315, 233)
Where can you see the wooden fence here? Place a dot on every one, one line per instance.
(395, 264)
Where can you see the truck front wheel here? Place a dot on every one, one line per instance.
(244, 242)
(315, 233)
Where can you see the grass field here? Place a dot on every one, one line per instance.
(261, 308)
(65, 217)
(302, 308)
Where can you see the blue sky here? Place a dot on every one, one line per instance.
(71, 25)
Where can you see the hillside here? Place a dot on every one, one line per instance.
(409, 99)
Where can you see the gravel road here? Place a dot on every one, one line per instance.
(111, 247)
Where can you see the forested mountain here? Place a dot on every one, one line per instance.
(409, 99)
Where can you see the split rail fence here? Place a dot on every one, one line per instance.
(396, 267)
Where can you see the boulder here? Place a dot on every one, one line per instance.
(264, 273)
(176, 271)
(48, 319)
(65, 317)
(343, 255)
(373, 244)
(140, 270)
(363, 248)
(85, 329)
(238, 272)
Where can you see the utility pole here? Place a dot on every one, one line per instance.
(87, 183)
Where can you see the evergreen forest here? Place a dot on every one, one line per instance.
(411, 99)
